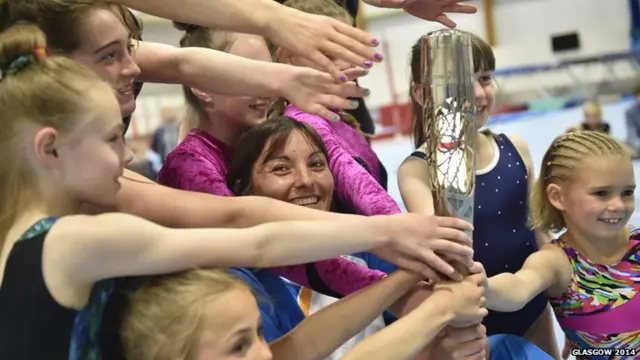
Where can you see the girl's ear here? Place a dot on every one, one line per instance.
(204, 96)
(556, 196)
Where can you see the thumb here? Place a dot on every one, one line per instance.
(478, 278)
(397, 4)
(355, 73)
(476, 268)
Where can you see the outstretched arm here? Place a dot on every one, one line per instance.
(115, 245)
(222, 73)
(321, 333)
(315, 37)
(185, 209)
(545, 270)
(413, 181)
(354, 185)
(405, 338)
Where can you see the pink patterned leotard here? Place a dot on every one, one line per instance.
(200, 163)
(601, 309)
(358, 188)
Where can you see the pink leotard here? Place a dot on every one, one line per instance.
(200, 163)
(354, 185)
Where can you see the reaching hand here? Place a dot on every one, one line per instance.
(432, 10)
(467, 299)
(468, 343)
(315, 92)
(419, 241)
(321, 39)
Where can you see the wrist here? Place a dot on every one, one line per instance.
(264, 17)
(440, 301)
(279, 77)
(382, 228)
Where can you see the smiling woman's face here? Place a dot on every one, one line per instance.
(298, 173)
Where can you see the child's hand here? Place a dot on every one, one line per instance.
(467, 299)
(477, 268)
(321, 39)
(316, 92)
(467, 343)
(433, 10)
(419, 241)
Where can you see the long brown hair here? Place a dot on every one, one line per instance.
(483, 60)
(273, 133)
(63, 21)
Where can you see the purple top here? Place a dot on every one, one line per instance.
(199, 163)
(355, 186)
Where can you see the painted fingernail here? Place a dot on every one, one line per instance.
(336, 117)
(343, 78)
(366, 92)
(364, 71)
(368, 63)
(378, 57)
(354, 103)
(375, 42)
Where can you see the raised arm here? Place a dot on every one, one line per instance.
(321, 333)
(314, 37)
(545, 270)
(115, 245)
(222, 73)
(185, 209)
(454, 302)
(353, 184)
(413, 181)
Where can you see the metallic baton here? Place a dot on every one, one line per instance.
(448, 110)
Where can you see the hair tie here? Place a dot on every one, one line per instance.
(40, 52)
(23, 61)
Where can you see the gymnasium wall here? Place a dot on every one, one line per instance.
(523, 29)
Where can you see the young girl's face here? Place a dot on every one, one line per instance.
(592, 117)
(107, 49)
(93, 156)
(244, 111)
(231, 329)
(485, 96)
(298, 174)
(599, 201)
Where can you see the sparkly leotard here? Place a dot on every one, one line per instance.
(600, 309)
(200, 163)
